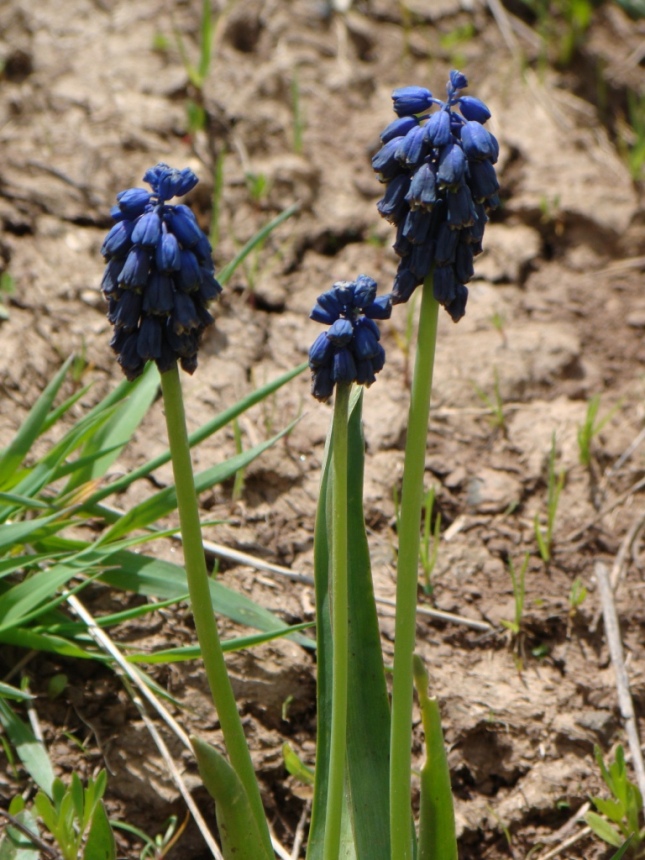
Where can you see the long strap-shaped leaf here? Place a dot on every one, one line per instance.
(366, 831)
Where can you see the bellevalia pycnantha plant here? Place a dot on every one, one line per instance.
(158, 281)
(437, 166)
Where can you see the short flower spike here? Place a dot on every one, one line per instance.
(440, 185)
(159, 275)
(350, 350)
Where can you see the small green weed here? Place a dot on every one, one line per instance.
(555, 483)
(620, 817)
(591, 427)
(429, 546)
(494, 403)
(518, 580)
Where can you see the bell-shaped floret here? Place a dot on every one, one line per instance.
(412, 148)
(417, 226)
(437, 129)
(184, 225)
(399, 128)
(147, 230)
(322, 383)
(473, 109)
(458, 81)
(405, 283)
(184, 316)
(411, 100)
(136, 269)
(341, 332)
(175, 183)
(483, 180)
(464, 268)
(423, 188)
(203, 250)
(446, 244)
(119, 240)
(365, 372)
(321, 352)
(393, 206)
(189, 275)
(478, 143)
(168, 253)
(344, 366)
(126, 312)
(461, 209)
(158, 298)
(385, 162)
(380, 309)
(422, 259)
(457, 307)
(111, 276)
(365, 343)
(364, 291)
(149, 340)
(209, 287)
(444, 285)
(133, 201)
(378, 360)
(327, 308)
(452, 165)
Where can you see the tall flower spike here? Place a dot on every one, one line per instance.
(350, 350)
(156, 255)
(440, 185)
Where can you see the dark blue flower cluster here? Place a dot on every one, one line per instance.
(350, 351)
(440, 185)
(159, 276)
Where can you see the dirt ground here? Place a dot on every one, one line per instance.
(92, 93)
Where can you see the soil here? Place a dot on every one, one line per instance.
(92, 94)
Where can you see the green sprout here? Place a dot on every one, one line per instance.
(518, 580)
(620, 817)
(591, 427)
(494, 403)
(555, 483)
(429, 546)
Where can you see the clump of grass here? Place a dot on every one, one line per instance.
(555, 483)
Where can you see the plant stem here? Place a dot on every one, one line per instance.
(407, 572)
(202, 605)
(339, 618)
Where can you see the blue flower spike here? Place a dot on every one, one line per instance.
(349, 351)
(159, 275)
(440, 185)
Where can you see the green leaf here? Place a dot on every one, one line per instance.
(15, 845)
(368, 710)
(623, 849)
(31, 751)
(193, 652)
(165, 501)
(31, 427)
(203, 432)
(100, 843)
(117, 431)
(614, 810)
(236, 823)
(24, 598)
(437, 835)
(603, 829)
(9, 692)
(15, 534)
(296, 767)
(366, 818)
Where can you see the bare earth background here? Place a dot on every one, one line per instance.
(93, 93)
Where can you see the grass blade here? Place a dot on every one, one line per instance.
(31, 751)
(437, 835)
(31, 427)
(199, 435)
(165, 501)
(225, 274)
(368, 715)
(117, 431)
